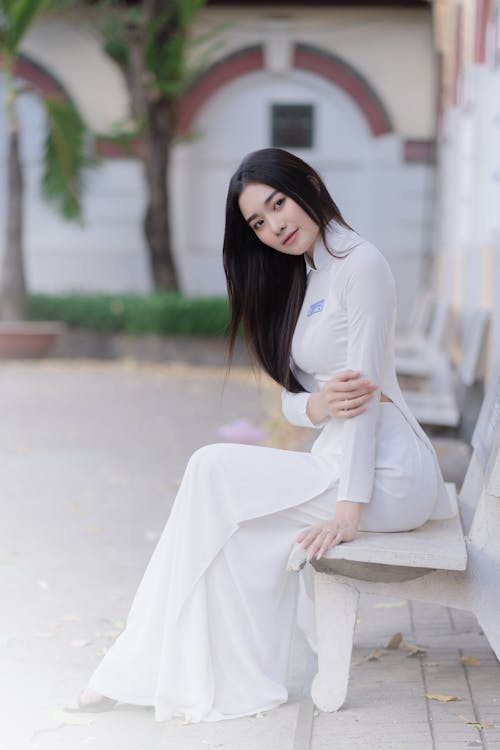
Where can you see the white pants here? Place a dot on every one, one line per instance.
(209, 631)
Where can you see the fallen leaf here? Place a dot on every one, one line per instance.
(395, 641)
(442, 698)
(389, 605)
(471, 661)
(481, 724)
(415, 650)
(21, 448)
(118, 624)
(477, 724)
(110, 635)
(374, 656)
(79, 642)
(61, 717)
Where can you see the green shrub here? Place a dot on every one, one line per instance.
(167, 313)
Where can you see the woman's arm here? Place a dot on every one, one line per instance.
(344, 395)
(369, 299)
(368, 295)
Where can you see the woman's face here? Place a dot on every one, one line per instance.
(277, 220)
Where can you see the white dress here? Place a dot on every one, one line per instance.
(209, 631)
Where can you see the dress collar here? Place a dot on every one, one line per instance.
(321, 257)
(340, 240)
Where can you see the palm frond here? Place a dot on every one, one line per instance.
(166, 62)
(181, 57)
(16, 17)
(66, 159)
(188, 10)
(115, 29)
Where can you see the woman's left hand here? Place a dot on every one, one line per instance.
(323, 536)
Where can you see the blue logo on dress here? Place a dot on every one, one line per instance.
(316, 307)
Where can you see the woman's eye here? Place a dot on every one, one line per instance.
(279, 202)
(258, 224)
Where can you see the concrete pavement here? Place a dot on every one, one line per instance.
(91, 455)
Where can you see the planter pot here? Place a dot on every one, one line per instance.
(27, 339)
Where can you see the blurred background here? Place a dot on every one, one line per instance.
(395, 103)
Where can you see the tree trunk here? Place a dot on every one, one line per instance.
(13, 299)
(156, 221)
(154, 111)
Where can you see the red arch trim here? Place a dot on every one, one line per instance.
(244, 61)
(341, 74)
(307, 58)
(42, 81)
(482, 17)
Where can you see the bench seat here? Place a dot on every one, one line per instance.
(435, 545)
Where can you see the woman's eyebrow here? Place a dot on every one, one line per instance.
(269, 198)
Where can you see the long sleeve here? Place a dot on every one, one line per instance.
(369, 301)
(294, 405)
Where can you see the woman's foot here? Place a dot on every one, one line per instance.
(92, 702)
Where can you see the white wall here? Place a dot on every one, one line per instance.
(468, 238)
(392, 48)
(384, 198)
(108, 253)
(72, 53)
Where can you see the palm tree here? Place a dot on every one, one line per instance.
(65, 155)
(150, 42)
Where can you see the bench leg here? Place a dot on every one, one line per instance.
(336, 605)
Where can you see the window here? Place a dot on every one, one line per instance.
(292, 125)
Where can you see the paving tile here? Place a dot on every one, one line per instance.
(65, 429)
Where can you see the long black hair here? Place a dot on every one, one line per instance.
(266, 287)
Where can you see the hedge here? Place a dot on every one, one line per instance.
(167, 313)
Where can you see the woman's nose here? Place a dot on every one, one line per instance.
(277, 225)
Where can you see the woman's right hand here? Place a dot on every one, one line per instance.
(344, 396)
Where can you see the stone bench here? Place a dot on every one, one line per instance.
(417, 355)
(455, 562)
(441, 398)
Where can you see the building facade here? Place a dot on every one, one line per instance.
(351, 89)
(467, 224)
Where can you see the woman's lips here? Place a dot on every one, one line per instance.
(290, 237)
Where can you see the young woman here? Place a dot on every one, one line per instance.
(209, 631)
